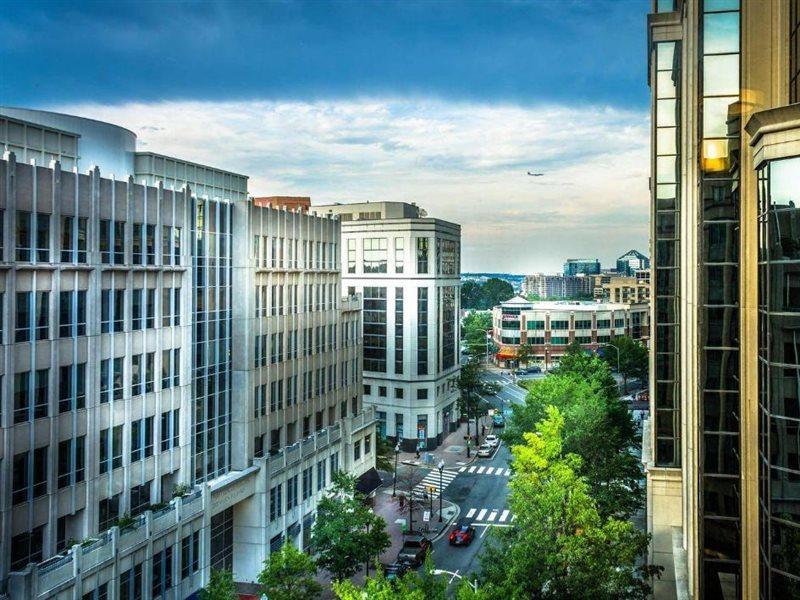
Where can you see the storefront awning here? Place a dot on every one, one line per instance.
(506, 353)
(369, 482)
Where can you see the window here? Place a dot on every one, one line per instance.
(72, 387)
(140, 498)
(110, 449)
(357, 450)
(190, 554)
(170, 368)
(42, 237)
(422, 394)
(448, 257)
(150, 305)
(351, 256)
(422, 331)
(367, 444)
(29, 477)
(108, 511)
(119, 242)
(334, 463)
(131, 584)
(375, 255)
(73, 239)
(149, 372)
(275, 502)
(112, 307)
(398, 330)
(559, 325)
(399, 254)
(137, 255)
(105, 241)
(72, 313)
(30, 395)
(32, 316)
(150, 244)
(141, 439)
(321, 474)
(27, 548)
(307, 482)
(24, 237)
(111, 379)
(137, 309)
(291, 493)
(71, 461)
(422, 255)
(170, 429)
(99, 593)
(375, 329)
(162, 571)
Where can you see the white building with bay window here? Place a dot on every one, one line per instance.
(407, 266)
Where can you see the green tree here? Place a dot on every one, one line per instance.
(469, 383)
(434, 587)
(384, 455)
(472, 295)
(496, 291)
(598, 428)
(379, 588)
(559, 545)
(289, 575)
(346, 533)
(524, 354)
(633, 358)
(220, 586)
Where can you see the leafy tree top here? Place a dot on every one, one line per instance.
(289, 574)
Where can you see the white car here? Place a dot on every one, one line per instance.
(485, 451)
(492, 440)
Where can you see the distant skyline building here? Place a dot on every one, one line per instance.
(557, 286)
(632, 261)
(169, 352)
(550, 327)
(407, 266)
(585, 266)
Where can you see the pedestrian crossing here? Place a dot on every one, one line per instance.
(489, 516)
(486, 470)
(435, 479)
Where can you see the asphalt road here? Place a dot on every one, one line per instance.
(481, 498)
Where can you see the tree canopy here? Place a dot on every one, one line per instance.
(597, 427)
(346, 533)
(289, 574)
(220, 586)
(485, 295)
(559, 545)
(633, 357)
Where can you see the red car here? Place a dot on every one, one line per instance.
(462, 535)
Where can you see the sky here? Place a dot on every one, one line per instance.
(447, 104)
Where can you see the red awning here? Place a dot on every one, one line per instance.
(506, 353)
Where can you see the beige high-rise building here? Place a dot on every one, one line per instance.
(724, 463)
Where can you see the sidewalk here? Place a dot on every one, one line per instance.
(452, 450)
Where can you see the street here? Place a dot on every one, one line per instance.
(479, 490)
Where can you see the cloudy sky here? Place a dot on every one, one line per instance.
(447, 104)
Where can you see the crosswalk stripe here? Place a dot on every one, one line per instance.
(462, 469)
(481, 470)
(490, 470)
(492, 516)
(508, 472)
(472, 469)
(470, 513)
(481, 514)
(504, 516)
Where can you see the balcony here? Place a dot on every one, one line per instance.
(55, 575)
(351, 303)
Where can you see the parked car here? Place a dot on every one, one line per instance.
(462, 535)
(395, 570)
(492, 440)
(533, 369)
(498, 420)
(414, 549)
(485, 451)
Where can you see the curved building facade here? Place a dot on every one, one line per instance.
(108, 146)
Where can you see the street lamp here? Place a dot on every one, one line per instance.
(472, 584)
(441, 488)
(394, 483)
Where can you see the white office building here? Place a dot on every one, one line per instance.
(407, 267)
(180, 376)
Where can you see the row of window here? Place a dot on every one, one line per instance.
(285, 299)
(32, 239)
(292, 492)
(278, 253)
(375, 255)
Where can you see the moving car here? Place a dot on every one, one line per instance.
(395, 570)
(462, 535)
(498, 421)
(533, 369)
(414, 549)
(492, 440)
(485, 451)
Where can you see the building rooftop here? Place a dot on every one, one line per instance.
(571, 305)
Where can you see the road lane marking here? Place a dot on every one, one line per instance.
(472, 469)
(492, 516)
(481, 515)
(470, 513)
(504, 516)
(481, 470)
(490, 470)
(462, 469)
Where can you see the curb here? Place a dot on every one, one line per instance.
(446, 524)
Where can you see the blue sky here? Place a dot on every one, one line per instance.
(342, 97)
